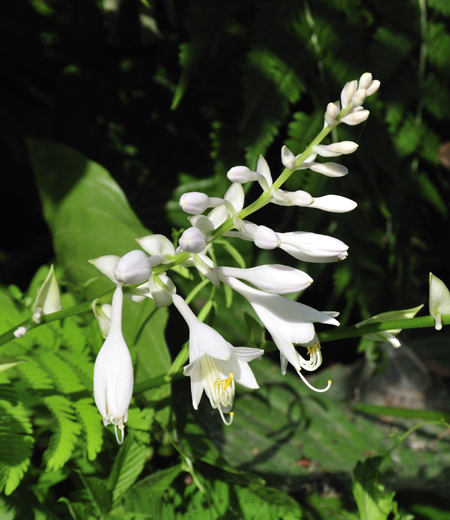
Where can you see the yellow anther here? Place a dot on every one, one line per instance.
(222, 384)
(231, 413)
(311, 350)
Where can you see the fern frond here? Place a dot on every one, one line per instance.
(65, 432)
(63, 377)
(93, 427)
(16, 444)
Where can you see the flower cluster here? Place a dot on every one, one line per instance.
(214, 364)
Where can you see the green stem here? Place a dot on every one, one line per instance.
(353, 331)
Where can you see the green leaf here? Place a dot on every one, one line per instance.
(373, 503)
(89, 216)
(128, 465)
(7, 362)
(87, 212)
(99, 492)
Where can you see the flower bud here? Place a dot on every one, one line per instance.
(329, 169)
(335, 149)
(287, 158)
(265, 238)
(439, 300)
(242, 174)
(334, 204)
(365, 80)
(347, 92)
(373, 87)
(355, 118)
(193, 240)
(299, 198)
(47, 299)
(134, 267)
(358, 97)
(195, 202)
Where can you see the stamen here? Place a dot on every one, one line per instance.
(312, 350)
(312, 387)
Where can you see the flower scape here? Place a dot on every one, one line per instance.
(215, 366)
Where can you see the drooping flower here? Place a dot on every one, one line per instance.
(113, 372)
(439, 300)
(287, 321)
(214, 364)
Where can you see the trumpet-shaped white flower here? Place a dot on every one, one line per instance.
(274, 279)
(113, 372)
(439, 300)
(287, 321)
(214, 364)
(47, 299)
(388, 335)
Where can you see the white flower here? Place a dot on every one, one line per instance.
(335, 149)
(439, 300)
(388, 335)
(159, 246)
(113, 372)
(47, 299)
(132, 268)
(214, 364)
(312, 247)
(274, 279)
(287, 321)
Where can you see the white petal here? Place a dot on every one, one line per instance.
(355, 118)
(365, 80)
(312, 247)
(263, 168)
(157, 245)
(134, 267)
(347, 92)
(242, 174)
(105, 264)
(192, 240)
(47, 299)
(439, 300)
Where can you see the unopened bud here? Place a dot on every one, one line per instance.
(195, 202)
(355, 118)
(193, 240)
(242, 174)
(329, 169)
(358, 97)
(375, 85)
(134, 267)
(265, 238)
(299, 198)
(365, 80)
(347, 92)
(335, 149)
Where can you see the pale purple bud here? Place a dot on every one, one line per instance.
(193, 240)
(134, 267)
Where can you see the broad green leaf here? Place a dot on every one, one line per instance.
(89, 216)
(128, 465)
(373, 503)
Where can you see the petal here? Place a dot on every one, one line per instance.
(105, 264)
(263, 168)
(333, 203)
(157, 245)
